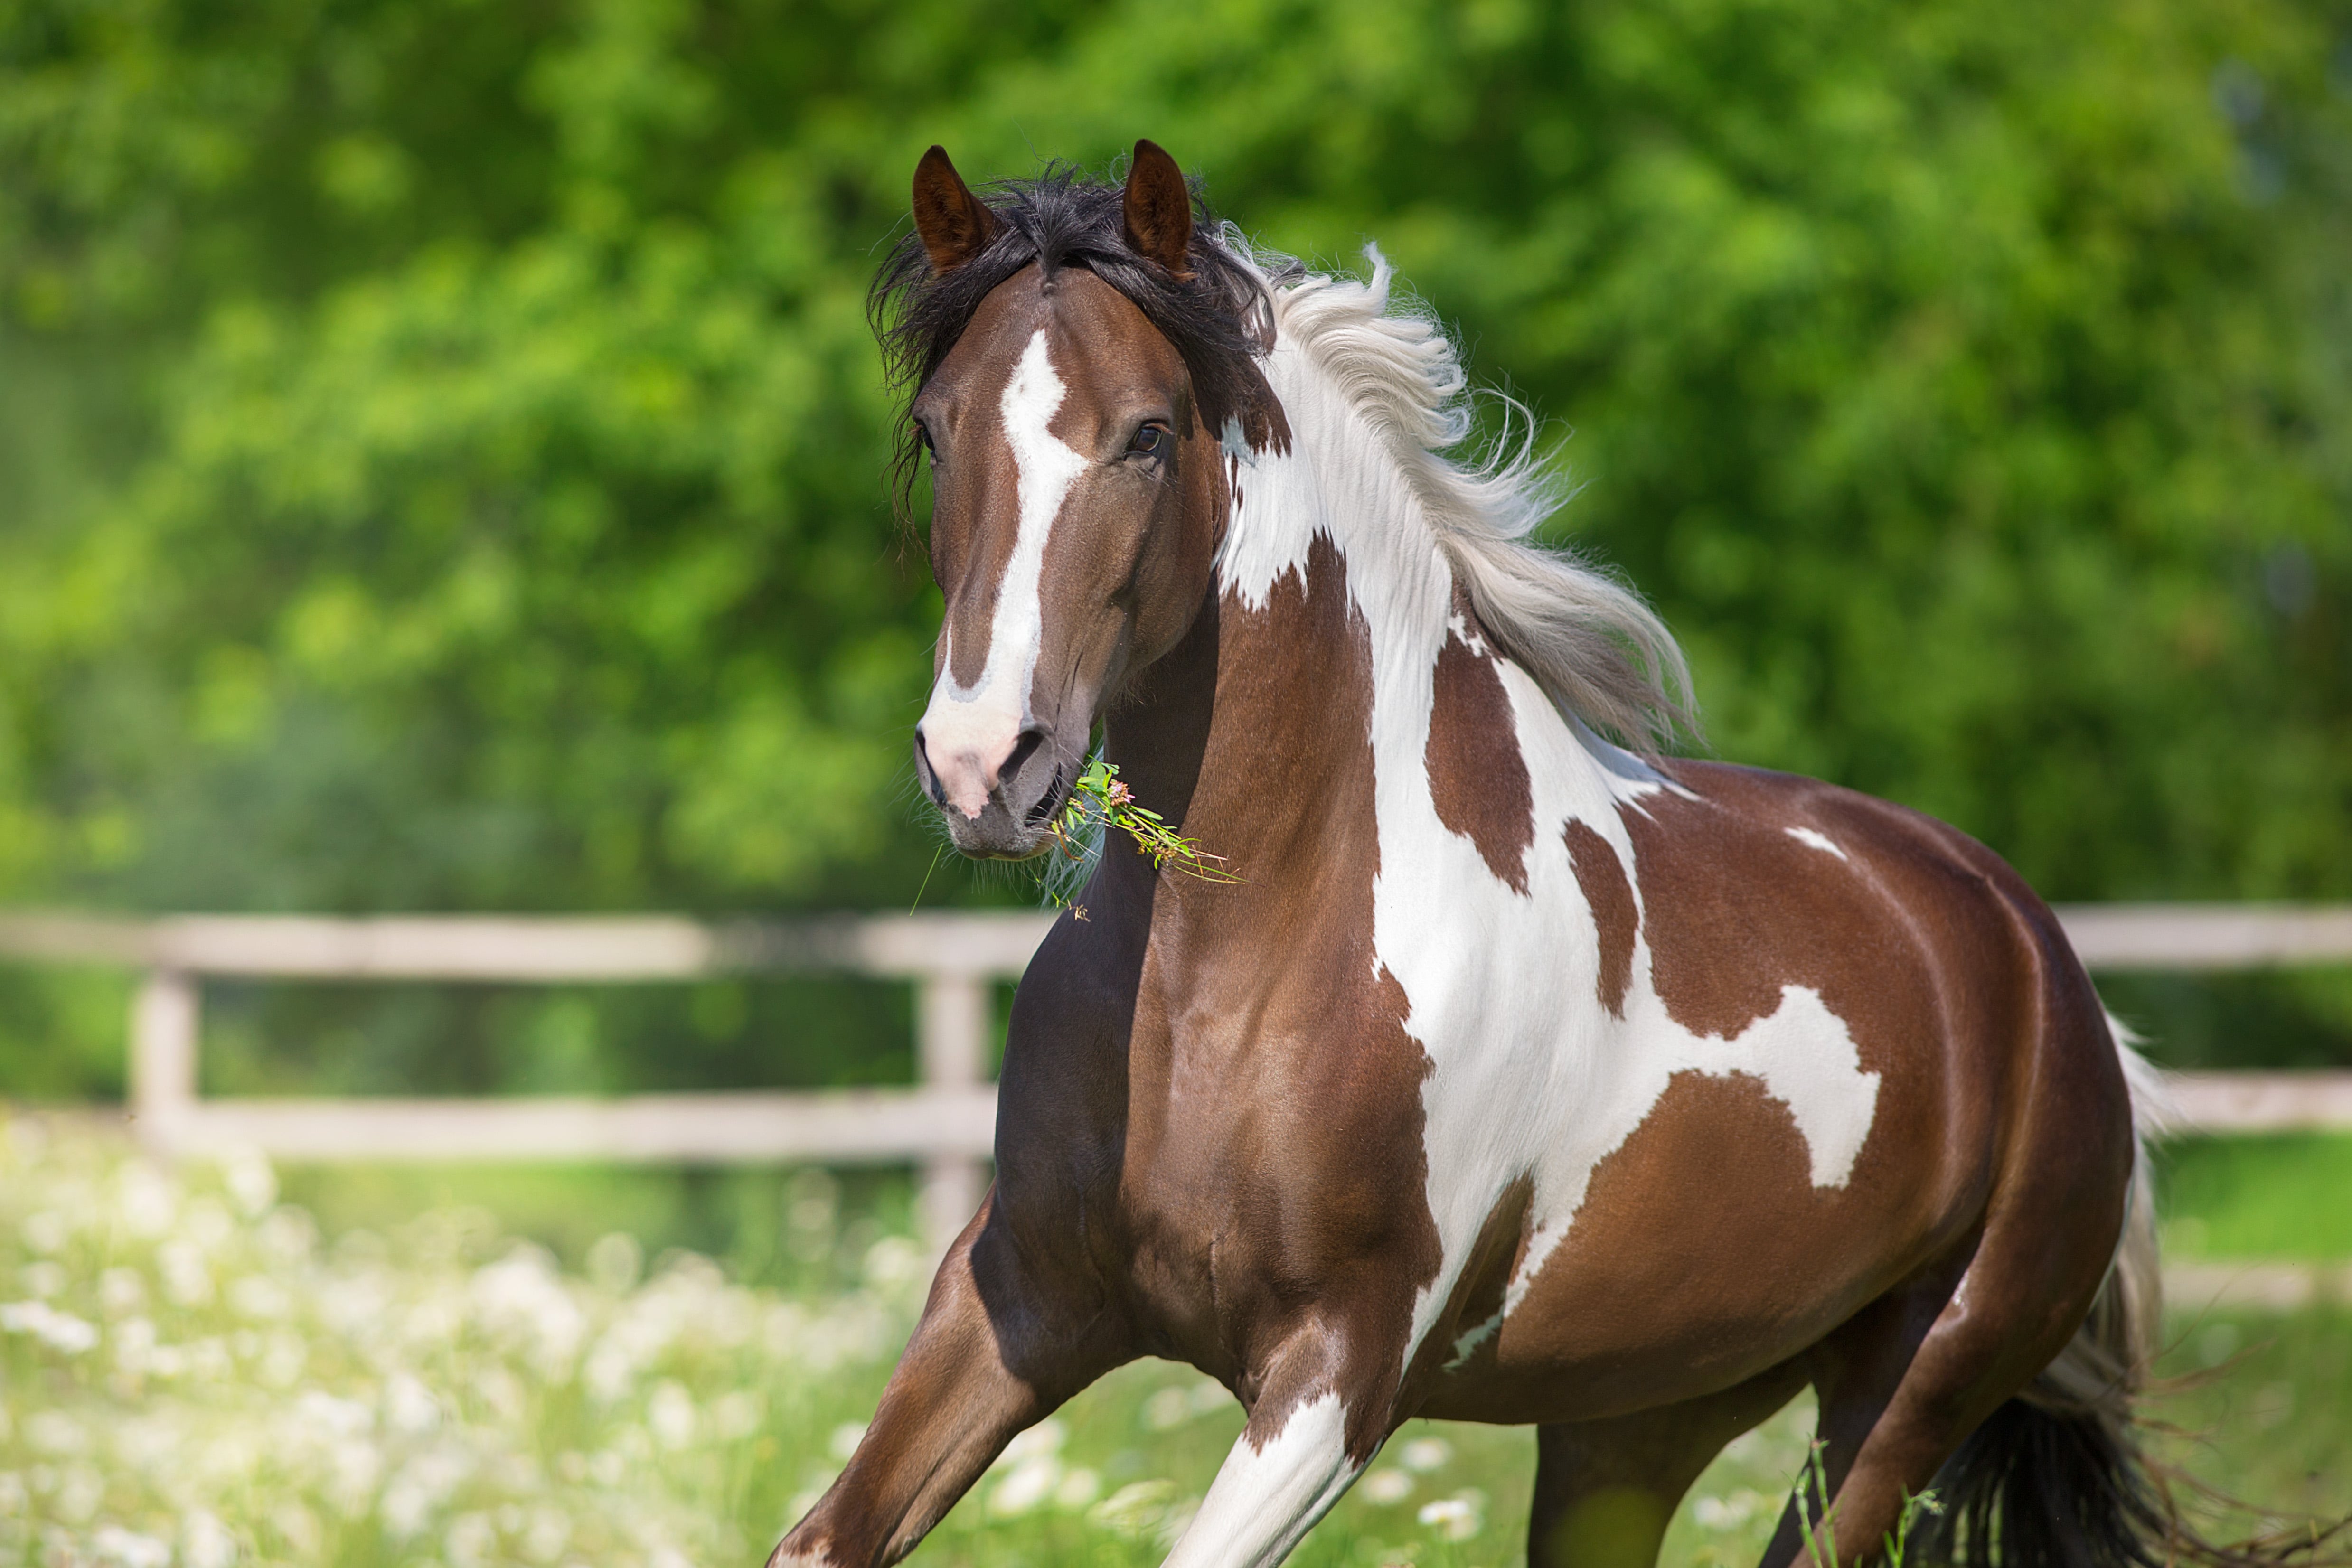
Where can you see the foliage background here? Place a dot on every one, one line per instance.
(440, 444)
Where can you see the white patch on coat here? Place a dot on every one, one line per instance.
(968, 730)
(1529, 1076)
(1265, 1499)
(1818, 841)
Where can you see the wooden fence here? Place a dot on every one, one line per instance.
(945, 1124)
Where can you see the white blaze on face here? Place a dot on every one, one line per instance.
(968, 731)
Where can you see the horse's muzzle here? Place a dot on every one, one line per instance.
(997, 809)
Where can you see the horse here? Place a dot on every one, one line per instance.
(1520, 1071)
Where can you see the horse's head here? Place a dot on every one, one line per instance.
(1077, 353)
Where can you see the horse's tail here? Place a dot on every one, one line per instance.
(2054, 1478)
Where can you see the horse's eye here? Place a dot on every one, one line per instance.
(1149, 442)
(923, 435)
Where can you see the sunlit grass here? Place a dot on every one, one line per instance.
(2283, 1196)
(192, 1374)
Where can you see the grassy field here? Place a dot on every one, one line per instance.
(212, 1371)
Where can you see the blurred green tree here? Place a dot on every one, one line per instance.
(440, 448)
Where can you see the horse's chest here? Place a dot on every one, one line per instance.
(1263, 1168)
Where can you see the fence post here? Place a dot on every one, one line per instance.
(165, 1017)
(951, 1040)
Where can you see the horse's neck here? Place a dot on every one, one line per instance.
(1336, 603)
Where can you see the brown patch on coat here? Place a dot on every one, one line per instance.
(1610, 896)
(1477, 778)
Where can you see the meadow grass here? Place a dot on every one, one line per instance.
(194, 1371)
(2283, 1196)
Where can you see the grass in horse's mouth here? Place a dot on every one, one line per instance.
(1097, 793)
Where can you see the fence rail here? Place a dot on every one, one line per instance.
(945, 1124)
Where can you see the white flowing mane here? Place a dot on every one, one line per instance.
(1599, 651)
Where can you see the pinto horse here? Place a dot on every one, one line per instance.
(1524, 1075)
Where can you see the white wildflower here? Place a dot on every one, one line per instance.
(408, 1405)
(1078, 1488)
(55, 1432)
(45, 1231)
(250, 1181)
(893, 1263)
(845, 1439)
(208, 1224)
(187, 1278)
(80, 1491)
(321, 1415)
(283, 1356)
(422, 1486)
(1455, 1518)
(1424, 1455)
(128, 1549)
(61, 1332)
(44, 1279)
(208, 1360)
(1045, 1438)
(147, 1199)
(502, 1392)
(1134, 1510)
(471, 1540)
(1386, 1486)
(1167, 1410)
(1032, 1481)
(736, 1414)
(545, 1535)
(205, 1542)
(120, 1291)
(615, 1261)
(355, 1465)
(288, 1237)
(670, 1414)
(258, 1296)
(521, 1300)
(298, 1525)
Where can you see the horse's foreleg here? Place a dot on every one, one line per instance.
(1290, 1464)
(995, 1351)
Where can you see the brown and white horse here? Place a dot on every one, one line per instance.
(1522, 1077)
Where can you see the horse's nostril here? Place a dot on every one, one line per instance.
(928, 775)
(1022, 750)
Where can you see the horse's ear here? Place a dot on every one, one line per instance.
(954, 225)
(1159, 209)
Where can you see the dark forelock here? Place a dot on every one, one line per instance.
(1218, 320)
